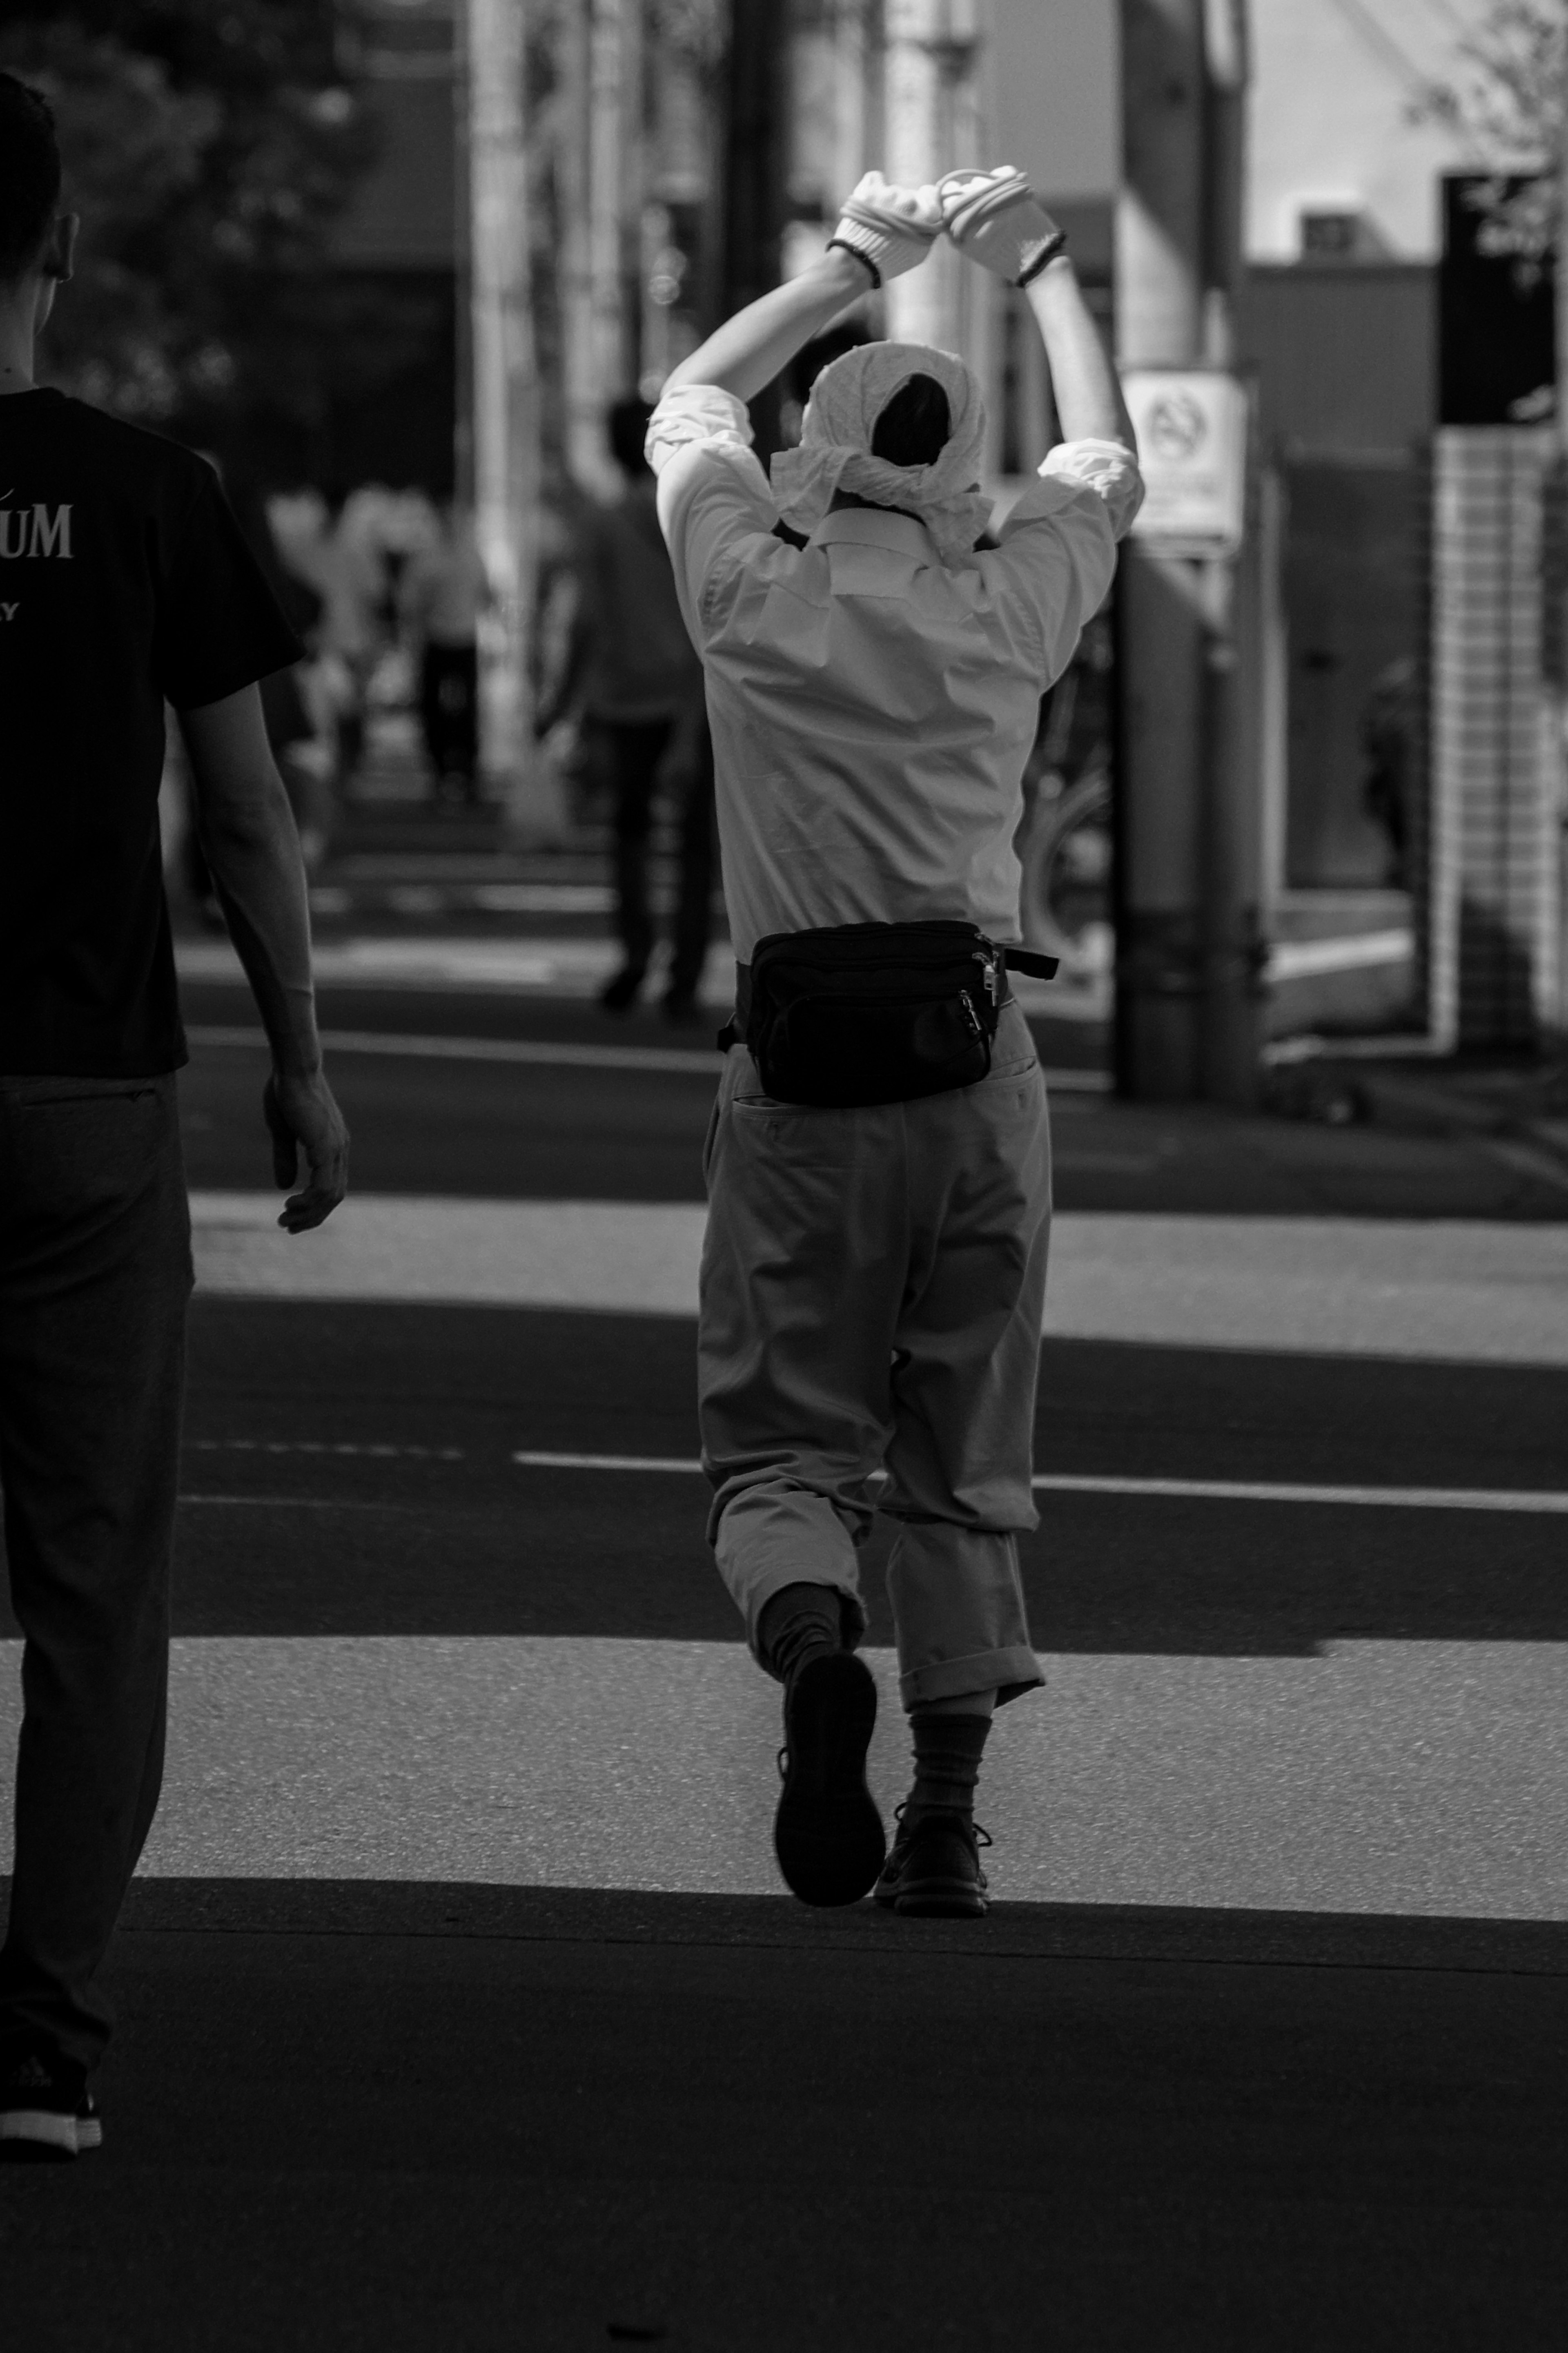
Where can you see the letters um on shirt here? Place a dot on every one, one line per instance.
(35, 530)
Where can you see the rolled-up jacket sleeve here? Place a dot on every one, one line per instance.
(713, 493)
(1058, 548)
(1109, 469)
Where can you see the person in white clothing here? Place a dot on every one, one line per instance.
(440, 597)
(878, 1159)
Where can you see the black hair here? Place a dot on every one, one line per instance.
(628, 431)
(912, 430)
(821, 352)
(29, 176)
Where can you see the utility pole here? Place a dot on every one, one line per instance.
(1555, 535)
(757, 100)
(598, 158)
(505, 389)
(932, 125)
(1187, 1010)
(1562, 247)
(1231, 1027)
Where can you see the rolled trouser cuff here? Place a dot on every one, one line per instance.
(1008, 1672)
(766, 1537)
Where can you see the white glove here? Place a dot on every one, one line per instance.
(996, 220)
(890, 228)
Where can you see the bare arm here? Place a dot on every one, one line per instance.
(1088, 395)
(247, 834)
(748, 351)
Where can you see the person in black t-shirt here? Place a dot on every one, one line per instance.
(124, 584)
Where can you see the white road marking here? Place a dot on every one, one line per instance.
(1225, 1491)
(536, 1053)
(322, 1446)
(1443, 1291)
(628, 1257)
(287, 1503)
(538, 1461)
(544, 1054)
(556, 967)
(1417, 1777)
(1300, 959)
(1253, 1490)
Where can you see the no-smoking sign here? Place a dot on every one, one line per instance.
(1192, 446)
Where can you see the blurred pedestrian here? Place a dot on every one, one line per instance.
(126, 583)
(441, 594)
(1389, 725)
(632, 666)
(342, 561)
(305, 759)
(877, 1165)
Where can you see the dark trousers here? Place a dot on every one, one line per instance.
(95, 1272)
(450, 710)
(634, 755)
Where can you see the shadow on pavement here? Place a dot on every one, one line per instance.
(516, 2118)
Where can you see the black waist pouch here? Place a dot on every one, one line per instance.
(874, 1013)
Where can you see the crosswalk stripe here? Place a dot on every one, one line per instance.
(533, 1460)
(287, 1503)
(546, 1055)
(1372, 1776)
(1225, 1491)
(1256, 1491)
(1476, 1293)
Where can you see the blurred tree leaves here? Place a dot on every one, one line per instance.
(1506, 101)
(209, 145)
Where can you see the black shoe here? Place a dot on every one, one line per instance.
(827, 1834)
(45, 2109)
(680, 1008)
(933, 1871)
(620, 994)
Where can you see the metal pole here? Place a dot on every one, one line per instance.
(593, 169)
(1555, 523)
(505, 389)
(462, 242)
(754, 175)
(1563, 250)
(1163, 623)
(931, 124)
(1230, 873)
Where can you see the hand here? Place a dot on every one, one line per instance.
(890, 228)
(997, 220)
(301, 1116)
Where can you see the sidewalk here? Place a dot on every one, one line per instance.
(1517, 1101)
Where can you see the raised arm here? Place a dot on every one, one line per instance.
(1083, 379)
(247, 834)
(883, 231)
(996, 220)
(748, 351)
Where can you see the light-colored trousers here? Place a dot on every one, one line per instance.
(872, 1288)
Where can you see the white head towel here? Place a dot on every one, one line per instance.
(835, 452)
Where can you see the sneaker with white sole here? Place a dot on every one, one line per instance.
(46, 2108)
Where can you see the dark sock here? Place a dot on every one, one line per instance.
(948, 1749)
(799, 1620)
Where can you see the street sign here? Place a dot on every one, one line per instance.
(1191, 425)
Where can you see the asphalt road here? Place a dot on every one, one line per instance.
(459, 2005)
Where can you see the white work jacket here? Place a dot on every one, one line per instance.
(872, 708)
